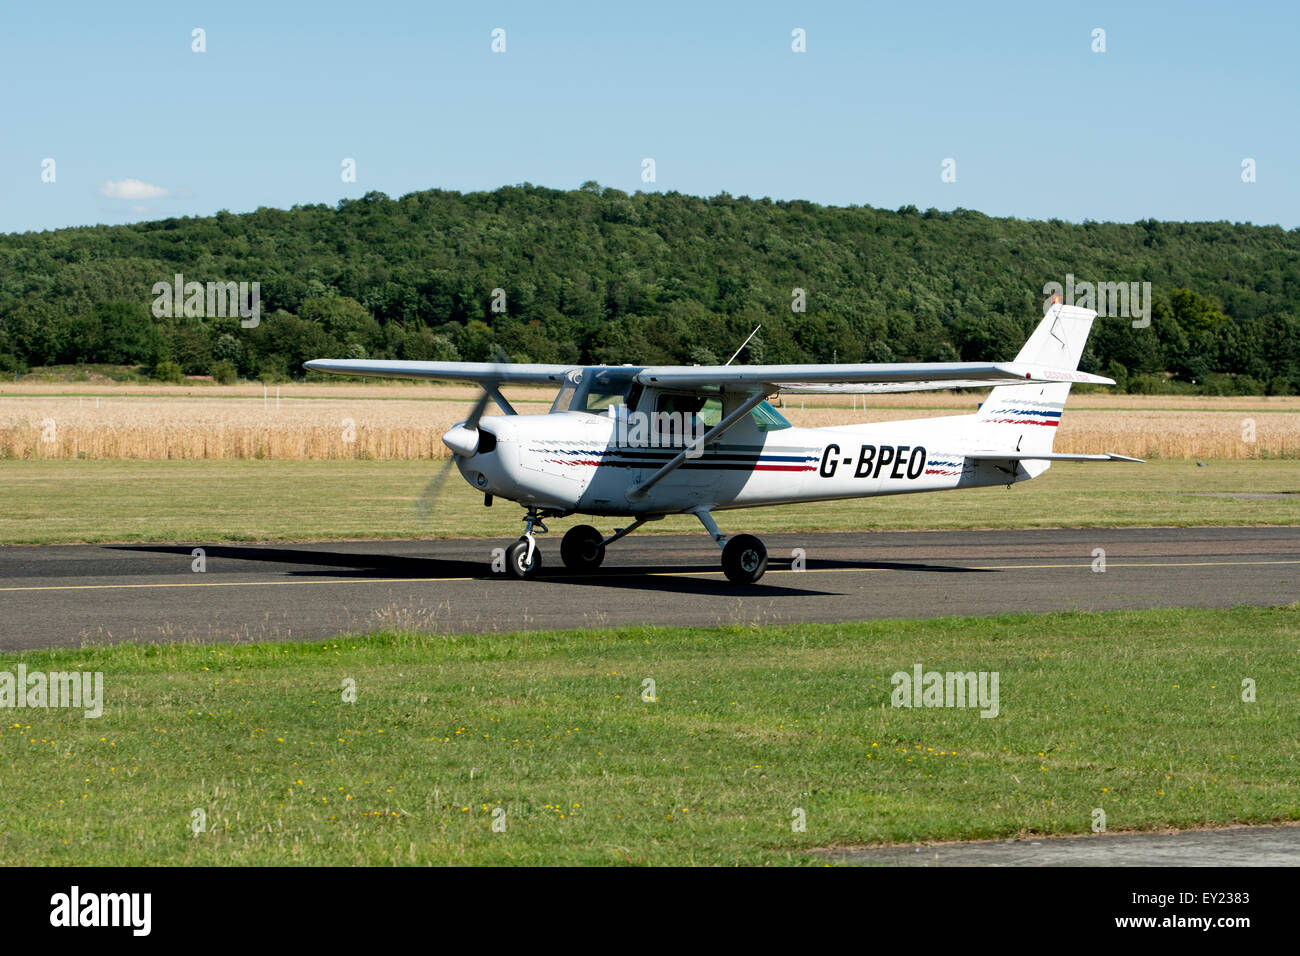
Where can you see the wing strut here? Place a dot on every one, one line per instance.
(712, 434)
(495, 391)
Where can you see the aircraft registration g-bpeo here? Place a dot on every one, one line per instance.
(648, 442)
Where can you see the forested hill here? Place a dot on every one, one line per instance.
(597, 275)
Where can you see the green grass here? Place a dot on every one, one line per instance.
(94, 501)
(1138, 713)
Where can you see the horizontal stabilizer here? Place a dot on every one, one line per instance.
(1045, 456)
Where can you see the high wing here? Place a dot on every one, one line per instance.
(880, 377)
(481, 373)
(899, 376)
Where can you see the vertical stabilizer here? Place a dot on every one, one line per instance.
(1024, 418)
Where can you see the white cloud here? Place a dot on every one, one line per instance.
(131, 189)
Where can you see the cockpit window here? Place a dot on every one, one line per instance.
(600, 397)
(596, 390)
(562, 401)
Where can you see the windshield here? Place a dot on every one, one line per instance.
(561, 403)
(596, 390)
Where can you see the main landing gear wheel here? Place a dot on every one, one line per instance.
(744, 559)
(517, 559)
(581, 548)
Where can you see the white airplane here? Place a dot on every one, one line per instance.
(643, 443)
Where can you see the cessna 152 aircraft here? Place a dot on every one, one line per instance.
(643, 443)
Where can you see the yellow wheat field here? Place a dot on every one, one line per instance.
(405, 422)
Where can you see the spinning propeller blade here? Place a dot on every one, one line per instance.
(462, 440)
(424, 504)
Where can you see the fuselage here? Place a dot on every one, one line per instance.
(578, 461)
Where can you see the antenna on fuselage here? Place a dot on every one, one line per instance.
(742, 345)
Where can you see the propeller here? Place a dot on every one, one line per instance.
(462, 438)
(424, 504)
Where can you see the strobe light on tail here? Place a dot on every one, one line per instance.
(640, 443)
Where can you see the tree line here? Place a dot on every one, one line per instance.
(596, 275)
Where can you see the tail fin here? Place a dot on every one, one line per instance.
(1024, 418)
(1059, 339)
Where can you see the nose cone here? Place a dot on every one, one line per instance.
(461, 440)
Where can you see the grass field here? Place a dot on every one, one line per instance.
(210, 501)
(1140, 714)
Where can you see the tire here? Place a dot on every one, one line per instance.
(744, 559)
(515, 555)
(581, 549)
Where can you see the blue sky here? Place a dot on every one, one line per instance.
(1039, 125)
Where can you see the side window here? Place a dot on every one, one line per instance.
(670, 403)
(711, 413)
(679, 415)
(768, 419)
(699, 413)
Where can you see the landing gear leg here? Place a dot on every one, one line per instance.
(744, 558)
(711, 527)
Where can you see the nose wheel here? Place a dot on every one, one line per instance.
(524, 557)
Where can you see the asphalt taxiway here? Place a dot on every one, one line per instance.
(66, 595)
